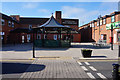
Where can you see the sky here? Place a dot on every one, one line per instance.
(84, 11)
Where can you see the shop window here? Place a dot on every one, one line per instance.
(113, 18)
(12, 24)
(38, 36)
(104, 21)
(9, 23)
(3, 21)
(30, 26)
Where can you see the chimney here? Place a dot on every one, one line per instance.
(58, 16)
(16, 17)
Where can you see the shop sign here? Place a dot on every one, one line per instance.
(115, 25)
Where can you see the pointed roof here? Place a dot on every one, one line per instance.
(51, 23)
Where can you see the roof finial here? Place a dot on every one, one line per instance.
(52, 14)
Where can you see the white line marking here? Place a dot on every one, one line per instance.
(90, 75)
(84, 68)
(80, 63)
(91, 67)
(102, 76)
(86, 63)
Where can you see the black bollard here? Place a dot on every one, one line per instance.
(115, 72)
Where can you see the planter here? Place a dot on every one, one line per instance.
(86, 53)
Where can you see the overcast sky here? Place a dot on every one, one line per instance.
(84, 11)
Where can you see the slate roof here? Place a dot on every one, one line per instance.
(51, 23)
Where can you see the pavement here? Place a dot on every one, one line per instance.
(65, 63)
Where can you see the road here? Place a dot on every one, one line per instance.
(98, 69)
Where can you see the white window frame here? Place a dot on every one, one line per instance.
(12, 24)
(113, 18)
(97, 22)
(2, 22)
(55, 37)
(9, 23)
(93, 24)
(39, 36)
(30, 26)
(90, 25)
(101, 22)
(104, 21)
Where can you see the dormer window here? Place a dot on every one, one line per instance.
(113, 18)
(92, 24)
(12, 24)
(9, 23)
(3, 21)
(30, 26)
(104, 21)
(98, 23)
(101, 22)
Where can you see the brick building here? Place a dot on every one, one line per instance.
(100, 29)
(23, 24)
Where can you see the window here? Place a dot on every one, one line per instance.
(12, 24)
(92, 24)
(45, 36)
(59, 36)
(101, 22)
(104, 21)
(55, 37)
(30, 26)
(113, 18)
(98, 23)
(3, 21)
(38, 36)
(9, 23)
(28, 38)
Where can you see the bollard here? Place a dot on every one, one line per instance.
(115, 72)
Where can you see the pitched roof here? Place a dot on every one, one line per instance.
(51, 23)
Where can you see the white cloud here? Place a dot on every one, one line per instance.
(86, 16)
(80, 13)
(30, 5)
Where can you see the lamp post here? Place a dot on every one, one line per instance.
(99, 17)
(111, 37)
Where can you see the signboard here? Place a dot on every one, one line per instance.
(69, 22)
(115, 25)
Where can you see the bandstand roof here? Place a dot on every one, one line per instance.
(52, 23)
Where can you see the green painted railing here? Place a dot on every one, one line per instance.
(52, 43)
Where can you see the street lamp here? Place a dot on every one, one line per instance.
(111, 37)
(99, 17)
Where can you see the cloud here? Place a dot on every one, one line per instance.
(30, 5)
(84, 15)
(80, 13)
